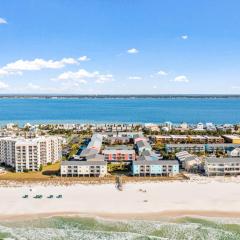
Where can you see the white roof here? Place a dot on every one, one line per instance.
(179, 136)
(115, 151)
(232, 136)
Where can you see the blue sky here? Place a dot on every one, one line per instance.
(119, 47)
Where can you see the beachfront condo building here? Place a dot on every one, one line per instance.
(222, 166)
(83, 168)
(155, 168)
(29, 154)
(90, 162)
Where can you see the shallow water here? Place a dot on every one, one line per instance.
(59, 228)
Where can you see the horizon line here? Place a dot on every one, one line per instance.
(67, 95)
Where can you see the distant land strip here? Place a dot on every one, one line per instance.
(54, 96)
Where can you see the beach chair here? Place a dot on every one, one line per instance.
(25, 196)
(59, 196)
(38, 196)
(50, 196)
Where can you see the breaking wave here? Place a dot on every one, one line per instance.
(73, 228)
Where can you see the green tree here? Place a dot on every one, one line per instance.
(41, 168)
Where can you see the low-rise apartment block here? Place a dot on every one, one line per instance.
(117, 140)
(83, 168)
(235, 139)
(155, 168)
(171, 139)
(234, 153)
(188, 161)
(196, 139)
(221, 147)
(201, 148)
(162, 139)
(89, 163)
(214, 139)
(119, 153)
(192, 148)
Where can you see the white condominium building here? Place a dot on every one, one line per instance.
(29, 154)
(222, 166)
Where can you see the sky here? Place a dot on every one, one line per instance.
(120, 47)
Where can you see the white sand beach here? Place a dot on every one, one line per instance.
(162, 198)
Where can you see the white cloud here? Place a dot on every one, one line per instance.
(134, 78)
(236, 87)
(66, 61)
(38, 64)
(3, 86)
(84, 59)
(162, 73)
(33, 86)
(102, 78)
(181, 78)
(3, 72)
(3, 21)
(184, 37)
(132, 51)
(154, 87)
(81, 75)
(34, 65)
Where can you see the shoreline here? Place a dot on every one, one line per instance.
(154, 216)
(66, 181)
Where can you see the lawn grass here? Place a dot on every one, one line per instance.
(46, 173)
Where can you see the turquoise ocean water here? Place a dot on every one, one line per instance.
(73, 228)
(131, 110)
